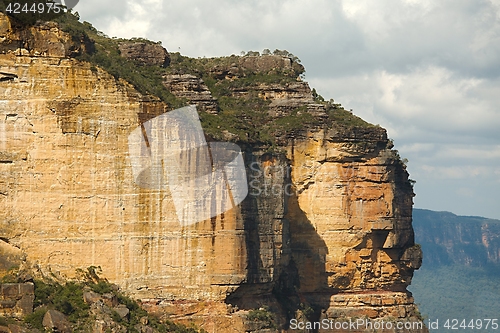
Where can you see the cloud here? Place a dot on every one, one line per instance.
(425, 105)
(456, 172)
(460, 35)
(100, 13)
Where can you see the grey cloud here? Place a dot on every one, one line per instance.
(101, 13)
(462, 36)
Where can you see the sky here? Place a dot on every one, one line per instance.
(426, 70)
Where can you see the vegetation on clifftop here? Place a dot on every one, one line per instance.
(247, 117)
(242, 117)
(104, 52)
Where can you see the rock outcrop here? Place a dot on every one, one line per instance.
(16, 299)
(151, 54)
(193, 89)
(55, 321)
(327, 221)
(43, 39)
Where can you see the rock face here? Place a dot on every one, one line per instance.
(16, 299)
(193, 89)
(451, 239)
(327, 222)
(145, 53)
(358, 201)
(44, 39)
(265, 63)
(56, 321)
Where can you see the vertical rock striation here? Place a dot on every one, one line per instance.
(327, 221)
(350, 224)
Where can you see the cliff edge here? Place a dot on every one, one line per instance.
(325, 232)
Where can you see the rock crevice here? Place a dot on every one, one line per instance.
(327, 221)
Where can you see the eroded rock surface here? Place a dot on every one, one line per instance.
(327, 221)
(44, 39)
(145, 53)
(16, 299)
(193, 89)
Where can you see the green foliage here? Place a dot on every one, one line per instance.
(180, 64)
(35, 318)
(262, 315)
(67, 298)
(295, 121)
(10, 276)
(116, 317)
(467, 292)
(105, 53)
(253, 53)
(317, 97)
(102, 287)
(344, 117)
(136, 313)
(307, 310)
(5, 321)
(90, 275)
(171, 327)
(285, 53)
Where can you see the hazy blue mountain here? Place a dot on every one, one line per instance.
(460, 275)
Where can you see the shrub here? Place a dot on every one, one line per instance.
(262, 315)
(6, 321)
(104, 52)
(35, 318)
(67, 298)
(245, 115)
(102, 287)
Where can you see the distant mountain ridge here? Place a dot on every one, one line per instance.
(460, 274)
(448, 239)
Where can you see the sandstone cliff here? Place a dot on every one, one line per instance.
(325, 232)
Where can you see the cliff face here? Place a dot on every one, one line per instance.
(350, 225)
(327, 221)
(451, 239)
